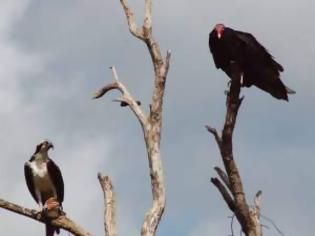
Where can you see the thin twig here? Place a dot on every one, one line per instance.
(115, 76)
(273, 223)
(214, 132)
(231, 225)
(126, 97)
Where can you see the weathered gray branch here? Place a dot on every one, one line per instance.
(246, 217)
(151, 124)
(137, 32)
(147, 23)
(126, 97)
(110, 205)
(62, 222)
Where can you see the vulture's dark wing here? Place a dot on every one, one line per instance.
(28, 173)
(56, 177)
(255, 49)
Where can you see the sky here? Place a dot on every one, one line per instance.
(55, 54)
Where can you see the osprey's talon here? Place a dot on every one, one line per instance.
(52, 208)
(51, 204)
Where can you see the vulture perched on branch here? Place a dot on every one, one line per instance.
(241, 56)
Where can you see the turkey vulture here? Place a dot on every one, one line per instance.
(255, 66)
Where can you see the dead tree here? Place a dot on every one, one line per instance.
(151, 125)
(232, 188)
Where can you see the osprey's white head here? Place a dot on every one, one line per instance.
(44, 146)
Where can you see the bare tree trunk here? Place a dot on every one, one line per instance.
(110, 205)
(151, 124)
(234, 195)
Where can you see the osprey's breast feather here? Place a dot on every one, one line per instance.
(41, 178)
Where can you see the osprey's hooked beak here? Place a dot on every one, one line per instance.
(50, 145)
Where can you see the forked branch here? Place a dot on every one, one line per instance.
(247, 217)
(151, 124)
(126, 97)
(134, 30)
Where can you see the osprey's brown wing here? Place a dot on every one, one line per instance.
(56, 178)
(28, 173)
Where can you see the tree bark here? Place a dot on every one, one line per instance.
(110, 205)
(62, 221)
(151, 124)
(235, 198)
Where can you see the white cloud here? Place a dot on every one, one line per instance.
(14, 63)
(10, 12)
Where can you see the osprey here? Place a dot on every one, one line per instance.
(44, 180)
(232, 49)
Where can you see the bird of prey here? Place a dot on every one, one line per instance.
(255, 65)
(44, 180)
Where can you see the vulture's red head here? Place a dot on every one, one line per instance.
(219, 29)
